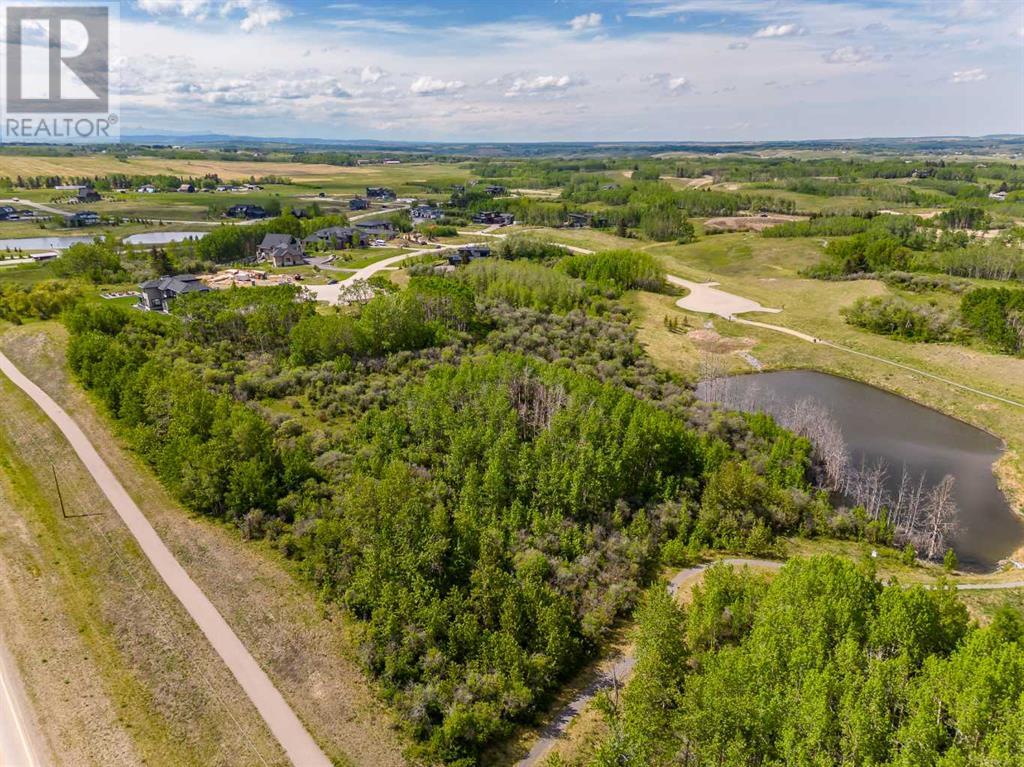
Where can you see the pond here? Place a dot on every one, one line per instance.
(61, 242)
(877, 425)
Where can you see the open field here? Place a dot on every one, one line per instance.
(303, 646)
(307, 174)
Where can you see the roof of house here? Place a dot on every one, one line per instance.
(374, 224)
(179, 283)
(274, 240)
(337, 232)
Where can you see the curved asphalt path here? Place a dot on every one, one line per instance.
(299, 745)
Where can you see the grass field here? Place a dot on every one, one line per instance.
(304, 647)
(116, 671)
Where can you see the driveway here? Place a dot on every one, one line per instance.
(302, 750)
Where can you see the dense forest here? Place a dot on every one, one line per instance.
(819, 665)
(485, 482)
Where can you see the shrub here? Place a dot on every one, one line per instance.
(895, 316)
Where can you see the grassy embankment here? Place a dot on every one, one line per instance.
(152, 676)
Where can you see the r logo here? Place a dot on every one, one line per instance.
(58, 59)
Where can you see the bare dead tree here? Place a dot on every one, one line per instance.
(711, 375)
(939, 518)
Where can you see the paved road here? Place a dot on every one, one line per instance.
(381, 212)
(38, 206)
(331, 293)
(18, 739)
(302, 750)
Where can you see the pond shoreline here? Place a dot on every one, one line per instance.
(878, 424)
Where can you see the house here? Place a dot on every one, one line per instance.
(425, 213)
(82, 218)
(358, 203)
(48, 255)
(246, 211)
(377, 228)
(494, 190)
(468, 253)
(380, 193)
(8, 213)
(146, 189)
(583, 219)
(88, 194)
(300, 213)
(186, 188)
(338, 238)
(156, 295)
(281, 249)
(999, 196)
(492, 217)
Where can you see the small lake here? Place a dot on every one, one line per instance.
(876, 424)
(66, 241)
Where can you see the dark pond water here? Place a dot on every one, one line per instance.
(66, 241)
(876, 424)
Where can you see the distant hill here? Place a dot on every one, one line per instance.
(939, 144)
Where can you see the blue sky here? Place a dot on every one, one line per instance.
(573, 70)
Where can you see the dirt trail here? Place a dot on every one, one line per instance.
(619, 671)
(623, 666)
(302, 750)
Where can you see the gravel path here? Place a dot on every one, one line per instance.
(302, 750)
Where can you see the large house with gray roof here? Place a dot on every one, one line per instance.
(156, 295)
(281, 249)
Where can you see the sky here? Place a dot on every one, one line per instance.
(575, 70)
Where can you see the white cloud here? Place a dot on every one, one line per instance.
(739, 45)
(671, 83)
(432, 86)
(968, 76)
(585, 21)
(539, 84)
(848, 54)
(371, 74)
(256, 13)
(780, 30)
(186, 8)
